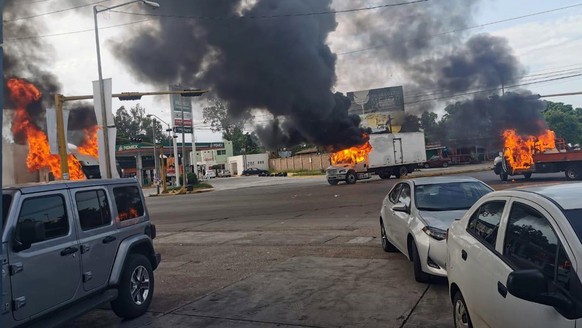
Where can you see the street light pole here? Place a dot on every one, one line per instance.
(183, 153)
(156, 175)
(105, 124)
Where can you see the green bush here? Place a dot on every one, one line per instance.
(192, 178)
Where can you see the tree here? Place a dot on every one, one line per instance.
(135, 124)
(232, 128)
(565, 121)
(411, 124)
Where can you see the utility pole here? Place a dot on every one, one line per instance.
(183, 153)
(155, 157)
(61, 138)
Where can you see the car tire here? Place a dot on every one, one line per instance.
(333, 182)
(503, 176)
(572, 173)
(351, 177)
(137, 273)
(527, 175)
(445, 164)
(419, 275)
(461, 317)
(426, 166)
(402, 171)
(384, 175)
(386, 245)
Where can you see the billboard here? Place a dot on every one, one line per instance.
(377, 108)
(181, 108)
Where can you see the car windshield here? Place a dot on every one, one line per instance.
(575, 218)
(448, 196)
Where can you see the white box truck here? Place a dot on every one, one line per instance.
(391, 154)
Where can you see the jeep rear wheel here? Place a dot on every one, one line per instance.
(136, 288)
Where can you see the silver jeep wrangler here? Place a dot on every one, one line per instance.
(69, 247)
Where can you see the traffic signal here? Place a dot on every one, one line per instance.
(129, 96)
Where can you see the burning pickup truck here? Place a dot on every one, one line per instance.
(383, 154)
(537, 154)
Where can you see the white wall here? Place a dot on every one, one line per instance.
(236, 164)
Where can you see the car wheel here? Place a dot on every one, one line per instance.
(503, 176)
(402, 171)
(527, 175)
(419, 275)
(333, 182)
(445, 164)
(426, 166)
(136, 288)
(384, 175)
(460, 312)
(351, 177)
(572, 173)
(386, 245)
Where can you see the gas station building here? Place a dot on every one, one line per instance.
(137, 159)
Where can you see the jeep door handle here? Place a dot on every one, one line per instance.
(109, 239)
(464, 255)
(69, 251)
(501, 289)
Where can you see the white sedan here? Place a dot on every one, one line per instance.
(515, 259)
(416, 214)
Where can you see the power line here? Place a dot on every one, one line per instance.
(74, 32)
(54, 12)
(459, 30)
(352, 10)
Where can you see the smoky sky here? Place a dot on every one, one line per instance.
(27, 58)
(283, 65)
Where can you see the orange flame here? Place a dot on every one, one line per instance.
(90, 146)
(23, 93)
(131, 214)
(352, 155)
(519, 150)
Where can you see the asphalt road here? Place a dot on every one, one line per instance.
(297, 252)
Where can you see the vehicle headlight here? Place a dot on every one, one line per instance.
(435, 233)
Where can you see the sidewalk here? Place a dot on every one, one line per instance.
(454, 169)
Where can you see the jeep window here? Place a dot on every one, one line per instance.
(93, 209)
(128, 202)
(45, 215)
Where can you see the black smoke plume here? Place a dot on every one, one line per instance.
(25, 57)
(282, 65)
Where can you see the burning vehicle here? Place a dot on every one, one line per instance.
(387, 154)
(544, 153)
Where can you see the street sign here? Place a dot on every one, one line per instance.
(187, 129)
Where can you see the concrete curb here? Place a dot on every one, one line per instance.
(195, 191)
(436, 174)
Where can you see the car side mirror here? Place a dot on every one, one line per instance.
(27, 233)
(531, 285)
(400, 207)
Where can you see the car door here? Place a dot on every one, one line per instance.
(48, 274)
(97, 235)
(389, 216)
(401, 219)
(474, 255)
(531, 240)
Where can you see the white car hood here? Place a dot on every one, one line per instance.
(441, 219)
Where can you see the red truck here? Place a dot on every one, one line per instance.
(560, 159)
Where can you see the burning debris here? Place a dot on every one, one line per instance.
(25, 95)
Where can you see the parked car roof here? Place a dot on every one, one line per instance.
(566, 195)
(439, 180)
(57, 185)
